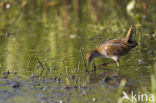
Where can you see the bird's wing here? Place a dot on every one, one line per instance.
(115, 47)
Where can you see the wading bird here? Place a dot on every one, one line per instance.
(113, 49)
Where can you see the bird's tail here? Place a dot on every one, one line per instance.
(129, 34)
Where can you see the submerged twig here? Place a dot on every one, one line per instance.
(41, 66)
(67, 79)
(84, 63)
(58, 79)
(85, 79)
(29, 62)
(77, 74)
(80, 82)
(48, 69)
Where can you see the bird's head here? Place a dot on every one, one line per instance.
(91, 55)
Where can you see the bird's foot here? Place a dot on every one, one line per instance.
(104, 64)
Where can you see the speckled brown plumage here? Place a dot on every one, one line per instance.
(113, 48)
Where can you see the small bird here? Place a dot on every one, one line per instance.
(113, 49)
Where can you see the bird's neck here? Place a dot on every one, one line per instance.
(96, 53)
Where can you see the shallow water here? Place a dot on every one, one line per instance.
(37, 44)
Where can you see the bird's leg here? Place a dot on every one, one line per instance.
(94, 66)
(116, 59)
(117, 62)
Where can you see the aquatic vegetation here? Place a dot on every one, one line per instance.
(43, 44)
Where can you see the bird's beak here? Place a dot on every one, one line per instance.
(89, 61)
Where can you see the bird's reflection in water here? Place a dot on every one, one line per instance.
(107, 76)
(111, 79)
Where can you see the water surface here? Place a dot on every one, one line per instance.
(38, 40)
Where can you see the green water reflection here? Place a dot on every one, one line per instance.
(55, 31)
